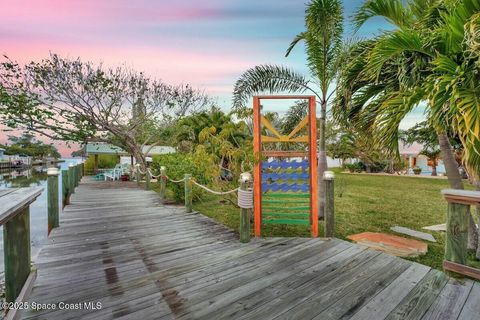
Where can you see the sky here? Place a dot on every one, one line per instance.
(207, 43)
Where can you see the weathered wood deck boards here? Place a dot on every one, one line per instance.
(118, 245)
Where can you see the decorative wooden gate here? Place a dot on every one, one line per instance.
(285, 190)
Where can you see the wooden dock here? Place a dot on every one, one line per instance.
(120, 251)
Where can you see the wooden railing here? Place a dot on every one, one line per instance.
(456, 242)
(15, 219)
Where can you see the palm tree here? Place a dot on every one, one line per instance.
(417, 57)
(390, 75)
(323, 41)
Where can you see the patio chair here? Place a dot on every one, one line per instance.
(113, 174)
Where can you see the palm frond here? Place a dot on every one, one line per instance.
(454, 23)
(392, 10)
(299, 37)
(394, 44)
(267, 79)
(391, 113)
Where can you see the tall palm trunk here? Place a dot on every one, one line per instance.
(455, 180)
(449, 161)
(322, 160)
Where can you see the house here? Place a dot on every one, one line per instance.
(413, 158)
(97, 148)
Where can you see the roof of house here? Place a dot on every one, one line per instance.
(409, 150)
(105, 148)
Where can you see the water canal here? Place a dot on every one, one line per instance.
(35, 176)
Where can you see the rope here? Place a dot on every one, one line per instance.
(245, 199)
(175, 181)
(219, 193)
(152, 175)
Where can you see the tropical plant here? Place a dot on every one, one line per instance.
(214, 133)
(423, 61)
(323, 41)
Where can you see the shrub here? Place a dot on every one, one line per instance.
(355, 167)
(350, 167)
(417, 170)
(177, 165)
(379, 166)
(105, 161)
(360, 166)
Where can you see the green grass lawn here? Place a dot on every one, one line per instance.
(364, 203)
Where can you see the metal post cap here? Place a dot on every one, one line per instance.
(328, 175)
(245, 177)
(53, 171)
(162, 168)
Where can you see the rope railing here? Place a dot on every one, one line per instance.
(244, 193)
(218, 193)
(153, 175)
(174, 181)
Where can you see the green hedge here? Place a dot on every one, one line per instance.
(177, 165)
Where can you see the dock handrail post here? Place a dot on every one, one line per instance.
(65, 188)
(147, 180)
(456, 236)
(188, 192)
(163, 182)
(71, 178)
(137, 173)
(52, 195)
(16, 237)
(456, 233)
(76, 170)
(329, 179)
(245, 184)
(79, 175)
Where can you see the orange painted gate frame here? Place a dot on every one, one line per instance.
(312, 157)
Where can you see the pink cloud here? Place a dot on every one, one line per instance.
(169, 64)
(105, 11)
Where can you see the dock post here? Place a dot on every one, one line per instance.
(16, 244)
(457, 233)
(329, 179)
(137, 173)
(163, 182)
(75, 175)
(65, 189)
(246, 206)
(71, 178)
(77, 171)
(52, 195)
(147, 180)
(188, 192)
